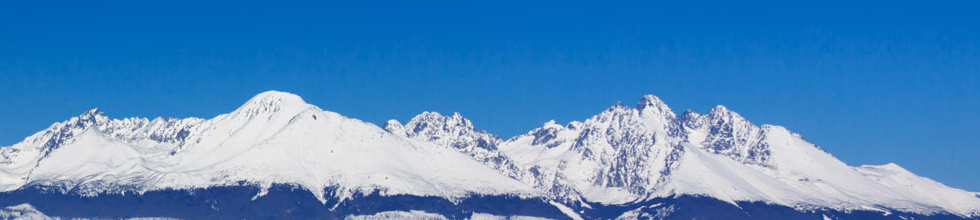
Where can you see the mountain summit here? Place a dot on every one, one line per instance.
(278, 156)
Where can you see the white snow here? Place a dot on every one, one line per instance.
(565, 209)
(409, 215)
(274, 138)
(621, 155)
(421, 215)
(583, 155)
(485, 216)
(737, 161)
(638, 213)
(802, 175)
(23, 211)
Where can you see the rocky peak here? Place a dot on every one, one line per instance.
(394, 126)
(436, 120)
(90, 117)
(546, 133)
(652, 104)
(455, 130)
(62, 133)
(617, 110)
(93, 112)
(691, 119)
(458, 133)
(728, 133)
(720, 112)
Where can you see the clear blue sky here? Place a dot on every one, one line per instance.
(872, 82)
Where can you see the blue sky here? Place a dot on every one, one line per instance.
(871, 82)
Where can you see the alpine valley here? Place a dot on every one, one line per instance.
(278, 157)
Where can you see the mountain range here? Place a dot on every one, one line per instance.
(277, 156)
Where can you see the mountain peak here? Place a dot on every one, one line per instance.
(428, 114)
(691, 113)
(273, 101)
(93, 116)
(394, 126)
(653, 103)
(619, 106)
(427, 119)
(721, 114)
(650, 100)
(889, 167)
(722, 111)
(276, 96)
(552, 124)
(456, 115)
(621, 157)
(94, 112)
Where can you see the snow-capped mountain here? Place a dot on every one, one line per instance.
(627, 155)
(274, 138)
(276, 155)
(458, 133)
(614, 157)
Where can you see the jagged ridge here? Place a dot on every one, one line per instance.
(618, 157)
(626, 155)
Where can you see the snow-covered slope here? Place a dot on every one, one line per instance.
(621, 155)
(623, 161)
(458, 133)
(624, 155)
(24, 212)
(273, 138)
(770, 163)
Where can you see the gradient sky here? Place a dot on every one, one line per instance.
(872, 83)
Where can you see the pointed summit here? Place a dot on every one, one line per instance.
(92, 116)
(618, 107)
(461, 120)
(722, 116)
(650, 100)
(721, 111)
(691, 119)
(457, 115)
(653, 104)
(93, 112)
(273, 101)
